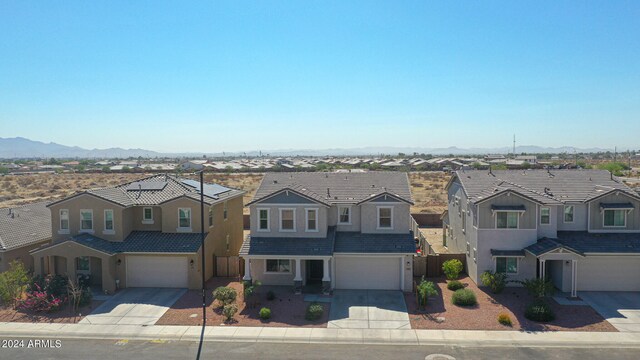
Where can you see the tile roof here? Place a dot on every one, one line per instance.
(356, 242)
(583, 242)
(158, 189)
(144, 242)
(336, 188)
(497, 252)
(28, 225)
(550, 187)
(289, 246)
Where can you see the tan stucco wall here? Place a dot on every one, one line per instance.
(86, 201)
(216, 241)
(22, 254)
(134, 216)
(170, 216)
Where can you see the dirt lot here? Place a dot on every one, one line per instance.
(63, 316)
(484, 316)
(427, 189)
(286, 310)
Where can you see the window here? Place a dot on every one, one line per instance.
(507, 220)
(312, 219)
(83, 263)
(464, 222)
(224, 211)
(184, 215)
(287, 220)
(86, 220)
(545, 216)
(615, 218)
(108, 220)
(344, 215)
(211, 216)
(147, 215)
(263, 221)
(507, 265)
(475, 255)
(278, 266)
(468, 249)
(227, 242)
(64, 220)
(568, 214)
(385, 217)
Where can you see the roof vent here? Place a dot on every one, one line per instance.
(275, 181)
(372, 185)
(328, 193)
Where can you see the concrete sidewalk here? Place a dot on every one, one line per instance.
(321, 335)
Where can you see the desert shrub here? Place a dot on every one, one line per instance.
(455, 285)
(495, 281)
(39, 300)
(538, 288)
(265, 313)
(13, 282)
(464, 297)
(504, 319)
(228, 311)
(54, 285)
(225, 295)
(452, 268)
(271, 295)
(539, 311)
(314, 312)
(424, 290)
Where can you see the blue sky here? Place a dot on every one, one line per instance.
(239, 75)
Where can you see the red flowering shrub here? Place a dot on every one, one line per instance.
(39, 300)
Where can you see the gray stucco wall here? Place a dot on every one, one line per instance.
(506, 240)
(369, 218)
(527, 220)
(274, 221)
(596, 216)
(355, 218)
(579, 218)
(549, 230)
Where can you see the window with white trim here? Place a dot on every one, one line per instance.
(108, 220)
(147, 215)
(86, 220)
(614, 218)
(568, 213)
(385, 217)
(287, 219)
(184, 218)
(507, 265)
(263, 219)
(507, 219)
(64, 219)
(278, 266)
(344, 215)
(545, 216)
(312, 219)
(468, 249)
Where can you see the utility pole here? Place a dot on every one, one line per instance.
(514, 146)
(615, 154)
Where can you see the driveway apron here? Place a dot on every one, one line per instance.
(620, 308)
(368, 309)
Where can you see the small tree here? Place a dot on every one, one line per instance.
(538, 288)
(225, 295)
(228, 311)
(424, 290)
(495, 281)
(75, 294)
(452, 268)
(13, 282)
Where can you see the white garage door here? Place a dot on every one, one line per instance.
(378, 273)
(157, 271)
(609, 273)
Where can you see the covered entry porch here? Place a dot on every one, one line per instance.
(560, 266)
(287, 270)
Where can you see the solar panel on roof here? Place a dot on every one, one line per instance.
(146, 185)
(211, 190)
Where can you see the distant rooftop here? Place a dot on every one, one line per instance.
(24, 225)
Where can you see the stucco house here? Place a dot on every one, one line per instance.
(144, 233)
(579, 228)
(22, 229)
(338, 230)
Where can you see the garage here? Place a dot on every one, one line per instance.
(362, 272)
(609, 273)
(157, 271)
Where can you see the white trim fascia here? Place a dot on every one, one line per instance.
(614, 231)
(254, 202)
(306, 220)
(280, 210)
(371, 254)
(72, 197)
(350, 215)
(268, 229)
(511, 192)
(612, 254)
(286, 257)
(378, 208)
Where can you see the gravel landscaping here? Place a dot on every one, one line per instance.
(484, 315)
(287, 309)
(65, 315)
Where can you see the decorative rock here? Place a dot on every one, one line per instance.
(440, 319)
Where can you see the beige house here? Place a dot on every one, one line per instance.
(22, 229)
(144, 233)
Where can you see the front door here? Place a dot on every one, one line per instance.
(315, 271)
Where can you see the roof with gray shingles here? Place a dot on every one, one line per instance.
(551, 187)
(497, 252)
(29, 224)
(143, 242)
(336, 188)
(583, 242)
(127, 194)
(290, 246)
(356, 242)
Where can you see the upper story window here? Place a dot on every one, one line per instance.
(211, 216)
(184, 215)
(64, 220)
(568, 213)
(311, 219)
(225, 213)
(507, 220)
(385, 217)
(86, 220)
(147, 215)
(263, 219)
(344, 215)
(614, 218)
(108, 220)
(545, 216)
(507, 265)
(287, 219)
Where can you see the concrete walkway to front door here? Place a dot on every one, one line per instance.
(134, 306)
(368, 309)
(620, 308)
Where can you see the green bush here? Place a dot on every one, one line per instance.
(225, 295)
(464, 297)
(271, 295)
(314, 312)
(13, 282)
(452, 268)
(424, 290)
(265, 313)
(54, 285)
(455, 285)
(538, 288)
(229, 310)
(539, 311)
(504, 319)
(495, 281)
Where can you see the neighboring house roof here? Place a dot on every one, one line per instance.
(290, 245)
(158, 189)
(24, 225)
(550, 187)
(356, 242)
(582, 242)
(140, 242)
(336, 188)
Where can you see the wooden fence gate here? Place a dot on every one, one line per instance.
(431, 265)
(228, 266)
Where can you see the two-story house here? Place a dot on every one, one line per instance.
(144, 233)
(579, 228)
(340, 230)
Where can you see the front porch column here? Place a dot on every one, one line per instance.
(326, 278)
(574, 278)
(247, 270)
(542, 269)
(297, 280)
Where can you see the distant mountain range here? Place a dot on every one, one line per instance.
(24, 148)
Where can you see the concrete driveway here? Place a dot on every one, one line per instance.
(368, 309)
(620, 308)
(134, 306)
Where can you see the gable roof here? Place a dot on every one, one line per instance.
(336, 188)
(583, 242)
(549, 187)
(25, 225)
(158, 189)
